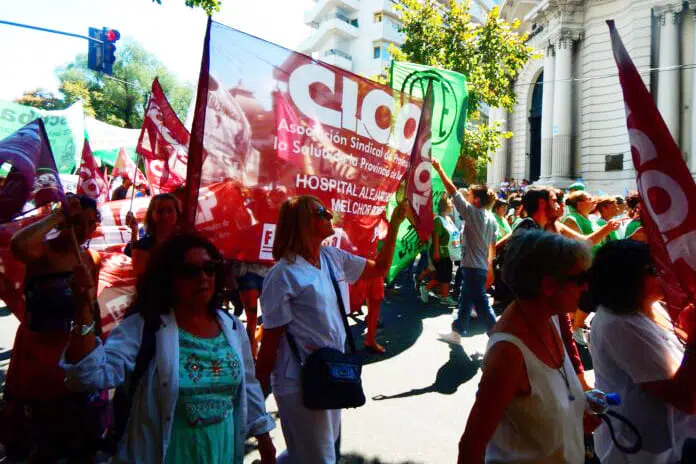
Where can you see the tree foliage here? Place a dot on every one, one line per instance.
(40, 98)
(121, 99)
(442, 34)
(209, 6)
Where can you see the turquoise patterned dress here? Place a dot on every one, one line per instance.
(210, 374)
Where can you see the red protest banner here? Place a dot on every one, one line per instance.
(275, 123)
(92, 182)
(664, 183)
(163, 143)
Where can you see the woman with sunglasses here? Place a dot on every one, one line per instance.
(57, 422)
(198, 398)
(299, 301)
(639, 353)
(530, 405)
(161, 221)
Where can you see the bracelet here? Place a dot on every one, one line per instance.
(83, 329)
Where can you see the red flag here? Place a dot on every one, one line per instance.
(419, 190)
(92, 182)
(163, 143)
(33, 176)
(665, 184)
(125, 167)
(275, 123)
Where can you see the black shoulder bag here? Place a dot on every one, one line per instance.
(331, 379)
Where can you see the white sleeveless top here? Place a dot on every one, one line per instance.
(546, 426)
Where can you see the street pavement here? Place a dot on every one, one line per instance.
(419, 393)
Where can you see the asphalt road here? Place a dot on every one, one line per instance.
(419, 393)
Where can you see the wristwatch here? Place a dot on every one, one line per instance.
(83, 329)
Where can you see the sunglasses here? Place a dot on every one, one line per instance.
(323, 213)
(190, 270)
(578, 279)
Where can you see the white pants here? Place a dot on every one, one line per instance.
(310, 436)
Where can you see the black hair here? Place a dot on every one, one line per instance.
(616, 277)
(155, 289)
(481, 192)
(532, 196)
(88, 203)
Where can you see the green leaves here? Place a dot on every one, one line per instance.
(121, 100)
(209, 6)
(490, 55)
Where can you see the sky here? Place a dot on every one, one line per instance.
(171, 31)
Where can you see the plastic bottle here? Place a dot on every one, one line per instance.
(598, 402)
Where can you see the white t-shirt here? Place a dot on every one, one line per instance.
(628, 350)
(302, 297)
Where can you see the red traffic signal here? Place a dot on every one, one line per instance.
(111, 35)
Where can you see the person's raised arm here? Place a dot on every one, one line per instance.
(503, 373)
(380, 266)
(595, 237)
(450, 188)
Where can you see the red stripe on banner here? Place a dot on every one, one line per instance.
(419, 189)
(195, 160)
(665, 184)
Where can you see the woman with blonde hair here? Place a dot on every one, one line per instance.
(299, 302)
(161, 221)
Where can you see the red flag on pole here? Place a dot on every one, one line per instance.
(419, 190)
(195, 160)
(92, 182)
(664, 182)
(163, 143)
(125, 167)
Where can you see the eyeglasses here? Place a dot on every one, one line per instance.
(191, 270)
(323, 213)
(578, 279)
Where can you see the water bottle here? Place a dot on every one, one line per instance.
(598, 402)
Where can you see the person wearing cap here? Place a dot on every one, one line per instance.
(576, 187)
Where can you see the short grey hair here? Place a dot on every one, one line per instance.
(531, 255)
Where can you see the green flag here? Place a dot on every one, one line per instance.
(449, 121)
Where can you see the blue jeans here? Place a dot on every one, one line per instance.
(473, 292)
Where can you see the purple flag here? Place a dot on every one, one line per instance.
(33, 176)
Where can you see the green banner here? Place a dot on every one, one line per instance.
(65, 129)
(106, 140)
(449, 121)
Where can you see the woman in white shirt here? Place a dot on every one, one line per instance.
(298, 298)
(639, 353)
(530, 405)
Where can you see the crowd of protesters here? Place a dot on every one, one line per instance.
(532, 262)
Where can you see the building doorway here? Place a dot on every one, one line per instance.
(535, 130)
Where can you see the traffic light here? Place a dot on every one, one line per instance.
(95, 55)
(109, 38)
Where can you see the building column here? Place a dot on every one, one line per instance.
(561, 164)
(497, 169)
(668, 89)
(547, 115)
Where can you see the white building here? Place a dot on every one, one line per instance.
(353, 34)
(356, 34)
(569, 120)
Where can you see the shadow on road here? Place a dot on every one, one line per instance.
(459, 369)
(402, 316)
(353, 458)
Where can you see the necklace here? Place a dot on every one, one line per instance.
(561, 370)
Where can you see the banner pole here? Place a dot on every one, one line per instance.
(135, 174)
